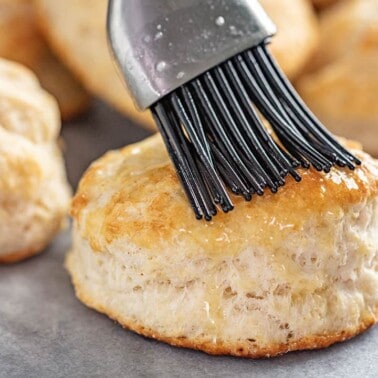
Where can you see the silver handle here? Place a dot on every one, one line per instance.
(162, 44)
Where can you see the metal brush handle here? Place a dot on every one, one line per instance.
(162, 44)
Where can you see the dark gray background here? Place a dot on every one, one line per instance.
(46, 332)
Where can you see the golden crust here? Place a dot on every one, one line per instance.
(18, 28)
(143, 178)
(242, 348)
(89, 58)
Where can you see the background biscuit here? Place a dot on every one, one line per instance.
(34, 194)
(342, 84)
(21, 41)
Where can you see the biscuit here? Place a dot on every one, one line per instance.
(342, 84)
(21, 41)
(80, 41)
(34, 194)
(286, 271)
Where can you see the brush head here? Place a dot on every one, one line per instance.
(217, 139)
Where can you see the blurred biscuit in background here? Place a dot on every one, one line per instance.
(297, 33)
(76, 32)
(320, 4)
(342, 85)
(21, 41)
(34, 193)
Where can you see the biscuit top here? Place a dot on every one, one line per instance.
(133, 194)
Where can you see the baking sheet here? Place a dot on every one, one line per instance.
(46, 332)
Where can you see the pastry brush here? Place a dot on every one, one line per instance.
(204, 70)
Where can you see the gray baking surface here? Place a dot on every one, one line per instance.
(46, 332)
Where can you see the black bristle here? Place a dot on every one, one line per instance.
(285, 89)
(217, 139)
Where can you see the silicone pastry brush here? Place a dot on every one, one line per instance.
(204, 70)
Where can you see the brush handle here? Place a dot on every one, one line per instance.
(162, 44)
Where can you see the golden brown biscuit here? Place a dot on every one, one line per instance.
(21, 41)
(34, 194)
(287, 271)
(80, 41)
(342, 87)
